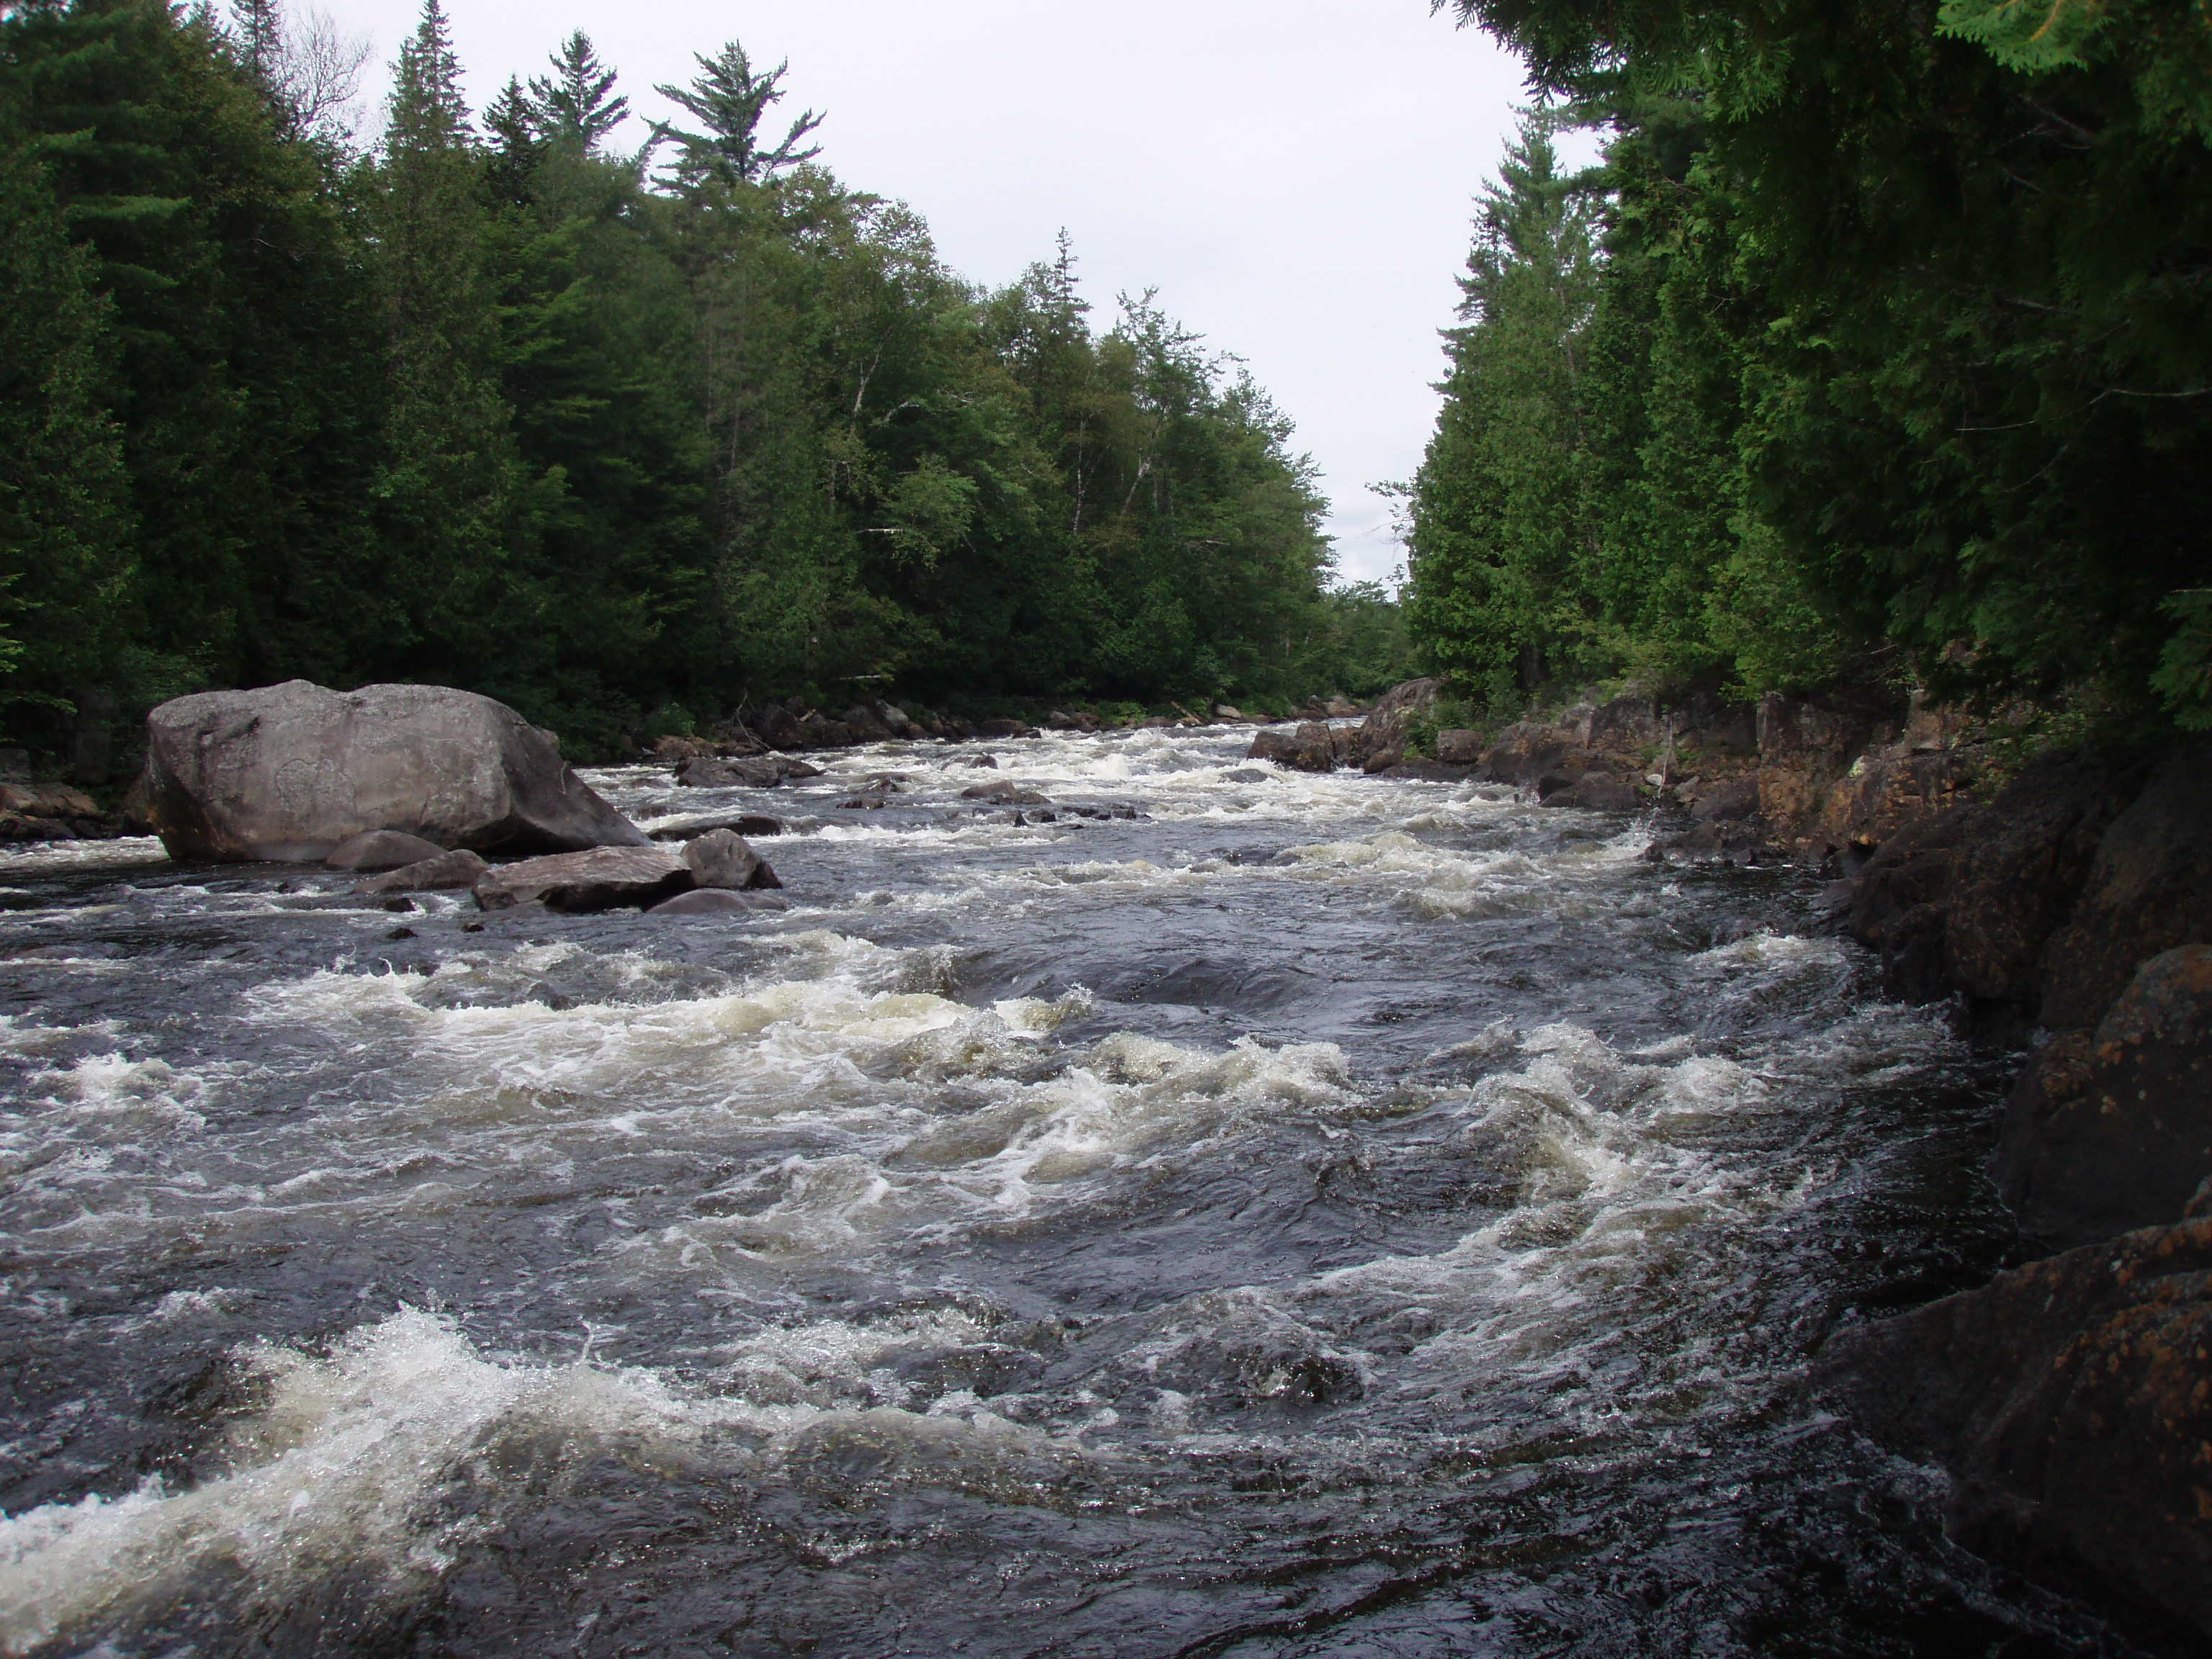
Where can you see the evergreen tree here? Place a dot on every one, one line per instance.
(730, 101)
(577, 104)
(64, 513)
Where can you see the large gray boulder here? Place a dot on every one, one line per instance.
(288, 772)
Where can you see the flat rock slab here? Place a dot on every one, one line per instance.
(604, 878)
(742, 823)
(444, 872)
(288, 772)
(381, 849)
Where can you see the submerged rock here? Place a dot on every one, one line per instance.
(287, 772)
(718, 902)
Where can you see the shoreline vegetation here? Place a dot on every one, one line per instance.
(631, 442)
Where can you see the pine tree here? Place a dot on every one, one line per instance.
(65, 510)
(576, 104)
(730, 101)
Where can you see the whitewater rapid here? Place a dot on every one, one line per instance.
(1316, 1214)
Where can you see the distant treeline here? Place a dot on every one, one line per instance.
(1879, 346)
(625, 439)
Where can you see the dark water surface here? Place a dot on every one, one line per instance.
(1324, 1216)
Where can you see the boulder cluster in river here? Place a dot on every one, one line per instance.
(418, 788)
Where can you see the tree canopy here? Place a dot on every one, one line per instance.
(1894, 361)
(495, 404)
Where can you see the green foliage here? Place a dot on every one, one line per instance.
(490, 406)
(1894, 306)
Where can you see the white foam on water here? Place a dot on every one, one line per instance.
(46, 858)
(1630, 1185)
(343, 1467)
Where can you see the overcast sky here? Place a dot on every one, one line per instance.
(1294, 176)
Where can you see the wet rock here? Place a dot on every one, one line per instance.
(446, 872)
(47, 800)
(398, 904)
(1383, 760)
(718, 902)
(990, 761)
(1599, 791)
(14, 826)
(2149, 889)
(1005, 792)
(778, 728)
(1459, 747)
(1730, 800)
(739, 773)
(1528, 751)
(794, 768)
(2112, 1130)
(2021, 870)
(1385, 726)
(1307, 749)
(1898, 905)
(1005, 728)
(1625, 725)
(1712, 843)
(575, 883)
(381, 849)
(2071, 1400)
(287, 772)
(743, 824)
(861, 803)
(720, 859)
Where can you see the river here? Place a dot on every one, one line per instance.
(1318, 1215)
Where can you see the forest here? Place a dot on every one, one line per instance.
(628, 439)
(1875, 349)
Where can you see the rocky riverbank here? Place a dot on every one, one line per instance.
(2066, 916)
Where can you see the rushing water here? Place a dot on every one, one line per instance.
(1321, 1215)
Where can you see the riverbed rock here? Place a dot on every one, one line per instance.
(1307, 749)
(604, 878)
(287, 772)
(1005, 792)
(1598, 791)
(720, 859)
(739, 772)
(718, 902)
(381, 849)
(442, 873)
(742, 823)
(1385, 727)
(2112, 1130)
(1459, 747)
(776, 726)
(1004, 728)
(2071, 1399)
